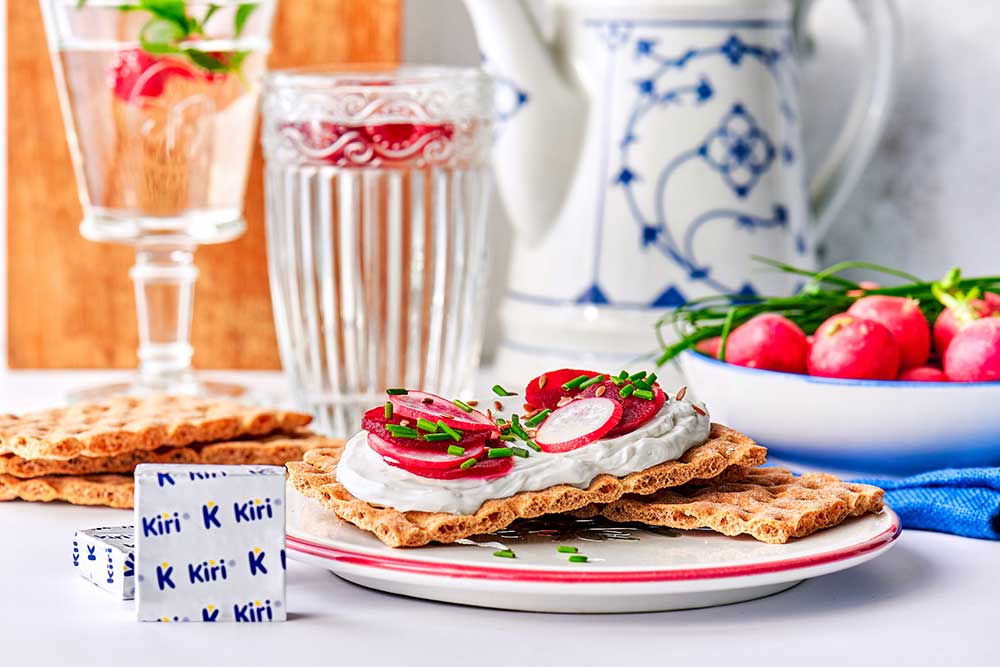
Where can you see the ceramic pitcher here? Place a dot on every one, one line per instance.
(646, 150)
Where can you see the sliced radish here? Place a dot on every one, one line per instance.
(546, 389)
(411, 458)
(635, 411)
(417, 404)
(485, 469)
(578, 423)
(374, 421)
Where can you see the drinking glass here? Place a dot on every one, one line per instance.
(159, 101)
(376, 186)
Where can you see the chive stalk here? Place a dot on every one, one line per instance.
(455, 450)
(425, 425)
(388, 409)
(397, 391)
(468, 463)
(500, 391)
(575, 382)
(627, 390)
(565, 549)
(499, 452)
(537, 419)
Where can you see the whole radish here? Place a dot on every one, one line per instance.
(904, 320)
(923, 374)
(768, 341)
(952, 320)
(974, 352)
(710, 346)
(846, 346)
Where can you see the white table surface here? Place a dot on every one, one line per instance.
(932, 600)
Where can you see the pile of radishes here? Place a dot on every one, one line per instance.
(879, 338)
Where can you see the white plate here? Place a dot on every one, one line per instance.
(630, 569)
(862, 425)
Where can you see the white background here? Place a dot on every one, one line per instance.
(927, 201)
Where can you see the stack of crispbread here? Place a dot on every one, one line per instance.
(85, 454)
(716, 485)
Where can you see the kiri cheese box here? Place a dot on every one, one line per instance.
(104, 557)
(210, 543)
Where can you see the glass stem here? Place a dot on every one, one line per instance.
(164, 275)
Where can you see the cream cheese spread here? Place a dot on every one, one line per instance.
(676, 428)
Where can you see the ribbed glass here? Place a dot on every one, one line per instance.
(377, 188)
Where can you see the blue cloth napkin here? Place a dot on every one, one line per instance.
(961, 501)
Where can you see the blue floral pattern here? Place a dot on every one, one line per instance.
(739, 150)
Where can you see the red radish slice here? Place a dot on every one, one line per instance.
(411, 458)
(374, 421)
(486, 469)
(578, 423)
(635, 411)
(417, 404)
(545, 393)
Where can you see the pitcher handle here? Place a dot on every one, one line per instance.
(858, 138)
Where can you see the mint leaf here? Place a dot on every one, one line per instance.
(170, 10)
(161, 36)
(206, 60)
(209, 13)
(243, 12)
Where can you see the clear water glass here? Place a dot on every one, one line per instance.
(160, 127)
(377, 187)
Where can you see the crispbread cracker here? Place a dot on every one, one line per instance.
(770, 504)
(316, 477)
(126, 424)
(109, 490)
(269, 450)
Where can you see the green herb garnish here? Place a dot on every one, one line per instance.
(388, 409)
(564, 549)
(500, 453)
(575, 382)
(597, 379)
(402, 431)
(462, 405)
(468, 463)
(396, 391)
(504, 553)
(449, 431)
(455, 450)
(537, 419)
(425, 425)
(578, 558)
(500, 391)
(627, 390)
(521, 453)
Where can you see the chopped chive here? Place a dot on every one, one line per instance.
(455, 450)
(504, 553)
(507, 437)
(538, 418)
(637, 376)
(567, 549)
(651, 378)
(388, 409)
(468, 463)
(437, 437)
(515, 420)
(396, 391)
(462, 405)
(519, 432)
(578, 558)
(642, 384)
(644, 394)
(402, 431)
(623, 375)
(517, 451)
(627, 390)
(575, 382)
(499, 453)
(617, 381)
(597, 379)
(452, 433)
(531, 443)
(500, 421)
(425, 425)
(500, 391)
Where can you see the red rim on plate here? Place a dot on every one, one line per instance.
(500, 573)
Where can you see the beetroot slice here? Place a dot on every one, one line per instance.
(484, 469)
(548, 396)
(411, 458)
(374, 421)
(578, 423)
(413, 406)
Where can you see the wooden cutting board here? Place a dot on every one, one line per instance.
(70, 301)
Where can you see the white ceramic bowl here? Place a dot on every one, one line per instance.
(879, 426)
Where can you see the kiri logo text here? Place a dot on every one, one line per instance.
(207, 571)
(253, 510)
(164, 576)
(161, 524)
(253, 612)
(210, 515)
